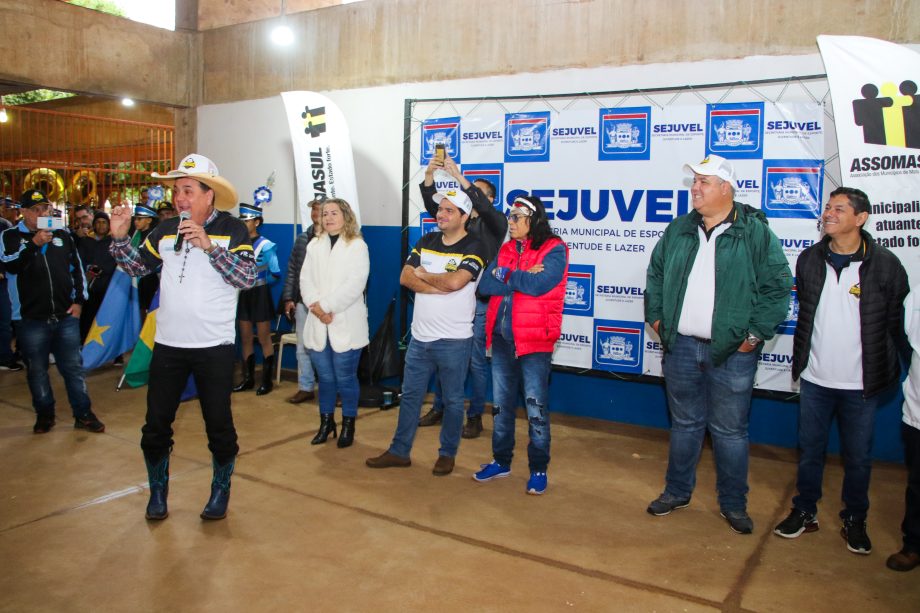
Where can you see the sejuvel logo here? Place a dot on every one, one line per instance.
(618, 345)
(579, 290)
(793, 188)
(735, 130)
(527, 137)
(440, 131)
(623, 133)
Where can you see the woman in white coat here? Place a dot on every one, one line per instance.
(332, 283)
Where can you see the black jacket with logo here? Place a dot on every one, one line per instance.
(882, 289)
(48, 279)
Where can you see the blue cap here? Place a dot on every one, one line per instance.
(250, 211)
(142, 210)
(7, 201)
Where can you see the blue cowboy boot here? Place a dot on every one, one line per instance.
(220, 491)
(158, 477)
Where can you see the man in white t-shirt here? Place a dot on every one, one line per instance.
(442, 270)
(909, 556)
(849, 332)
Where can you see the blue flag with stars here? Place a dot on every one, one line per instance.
(117, 325)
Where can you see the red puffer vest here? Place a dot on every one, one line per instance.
(536, 320)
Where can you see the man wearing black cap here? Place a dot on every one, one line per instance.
(47, 272)
(145, 220)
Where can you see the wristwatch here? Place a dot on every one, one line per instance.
(752, 340)
(210, 249)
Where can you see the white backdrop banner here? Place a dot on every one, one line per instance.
(612, 179)
(873, 86)
(323, 160)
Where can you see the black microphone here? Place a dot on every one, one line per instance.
(178, 246)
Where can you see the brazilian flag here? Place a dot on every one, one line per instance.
(137, 370)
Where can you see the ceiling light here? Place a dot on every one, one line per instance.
(282, 35)
(3, 116)
(127, 102)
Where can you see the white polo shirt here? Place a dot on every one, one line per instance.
(700, 295)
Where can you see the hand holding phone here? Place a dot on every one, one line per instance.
(440, 151)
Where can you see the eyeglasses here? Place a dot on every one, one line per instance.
(516, 217)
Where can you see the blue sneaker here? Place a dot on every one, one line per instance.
(536, 485)
(492, 470)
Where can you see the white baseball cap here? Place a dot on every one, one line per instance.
(458, 197)
(713, 165)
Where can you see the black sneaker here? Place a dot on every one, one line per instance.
(854, 532)
(431, 418)
(795, 524)
(473, 427)
(12, 366)
(666, 503)
(43, 424)
(739, 521)
(89, 422)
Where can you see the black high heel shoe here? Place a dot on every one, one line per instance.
(326, 426)
(348, 432)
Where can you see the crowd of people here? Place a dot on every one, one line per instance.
(718, 285)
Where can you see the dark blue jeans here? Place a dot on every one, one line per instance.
(480, 370)
(702, 396)
(509, 373)
(38, 339)
(856, 423)
(449, 358)
(910, 527)
(337, 374)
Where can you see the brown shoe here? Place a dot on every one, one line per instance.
(903, 561)
(301, 396)
(444, 466)
(388, 460)
(473, 427)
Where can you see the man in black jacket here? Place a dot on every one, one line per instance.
(488, 226)
(849, 334)
(296, 309)
(47, 272)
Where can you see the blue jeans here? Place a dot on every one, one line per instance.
(305, 379)
(450, 359)
(338, 375)
(37, 339)
(856, 423)
(702, 396)
(508, 374)
(480, 370)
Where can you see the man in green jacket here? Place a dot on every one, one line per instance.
(717, 286)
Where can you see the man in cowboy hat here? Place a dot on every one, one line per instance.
(206, 257)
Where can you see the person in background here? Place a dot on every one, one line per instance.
(255, 306)
(488, 226)
(46, 270)
(100, 266)
(8, 359)
(526, 285)
(294, 307)
(908, 558)
(145, 220)
(332, 283)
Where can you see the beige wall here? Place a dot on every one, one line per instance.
(59, 46)
(394, 41)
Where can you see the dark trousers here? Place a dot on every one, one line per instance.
(170, 368)
(911, 524)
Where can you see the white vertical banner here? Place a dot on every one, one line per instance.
(323, 160)
(873, 86)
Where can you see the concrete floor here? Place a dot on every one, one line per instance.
(311, 528)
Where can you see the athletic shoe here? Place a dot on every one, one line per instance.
(492, 470)
(854, 532)
(739, 521)
(666, 503)
(12, 366)
(89, 422)
(536, 485)
(795, 524)
(43, 424)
